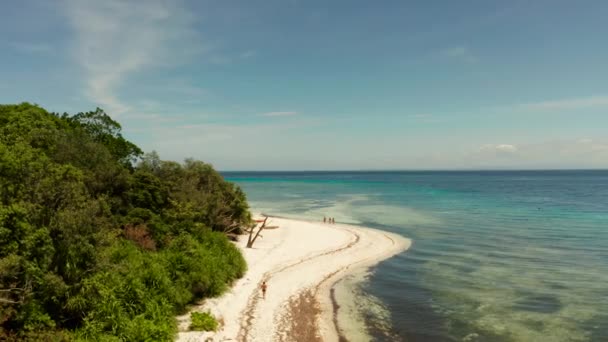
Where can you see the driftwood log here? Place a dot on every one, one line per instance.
(255, 233)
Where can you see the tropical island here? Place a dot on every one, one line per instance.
(101, 242)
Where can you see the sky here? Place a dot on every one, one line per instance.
(325, 85)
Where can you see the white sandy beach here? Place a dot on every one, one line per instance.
(300, 262)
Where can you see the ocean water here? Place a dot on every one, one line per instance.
(496, 256)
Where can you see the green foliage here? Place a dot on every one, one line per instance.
(96, 248)
(106, 131)
(147, 191)
(203, 321)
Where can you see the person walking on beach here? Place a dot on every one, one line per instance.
(264, 287)
(324, 219)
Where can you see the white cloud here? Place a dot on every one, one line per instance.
(567, 104)
(491, 154)
(500, 148)
(581, 153)
(460, 53)
(115, 39)
(273, 114)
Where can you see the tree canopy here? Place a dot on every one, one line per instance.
(99, 241)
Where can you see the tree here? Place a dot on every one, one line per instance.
(151, 162)
(106, 131)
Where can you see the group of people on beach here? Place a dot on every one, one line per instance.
(329, 220)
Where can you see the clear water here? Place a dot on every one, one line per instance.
(497, 256)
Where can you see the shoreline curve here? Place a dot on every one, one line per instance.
(301, 261)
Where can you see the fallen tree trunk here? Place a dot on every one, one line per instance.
(252, 237)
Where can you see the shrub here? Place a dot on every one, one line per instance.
(203, 321)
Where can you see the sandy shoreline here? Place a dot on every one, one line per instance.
(301, 261)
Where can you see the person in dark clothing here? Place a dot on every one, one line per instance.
(264, 287)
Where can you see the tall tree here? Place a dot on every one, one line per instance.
(105, 130)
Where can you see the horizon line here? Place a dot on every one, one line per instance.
(421, 170)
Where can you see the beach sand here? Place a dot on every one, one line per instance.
(300, 261)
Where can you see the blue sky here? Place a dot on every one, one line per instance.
(295, 85)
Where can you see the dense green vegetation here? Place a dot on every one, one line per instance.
(202, 321)
(99, 241)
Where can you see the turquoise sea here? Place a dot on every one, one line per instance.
(496, 255)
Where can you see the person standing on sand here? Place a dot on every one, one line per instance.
(324, 219)
(264, 287)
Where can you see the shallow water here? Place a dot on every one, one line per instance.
(497, 256)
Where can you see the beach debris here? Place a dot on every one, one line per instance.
(261, 227)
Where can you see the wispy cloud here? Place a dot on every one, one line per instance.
(35, 48)
(460, 53)
(421, 116)
(115, 39)
(567, 104)
(426, 118)
(225, 58)
(273, 114)
(248, 54)
(181, 140)
(188, 89)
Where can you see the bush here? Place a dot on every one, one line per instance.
(203, 321)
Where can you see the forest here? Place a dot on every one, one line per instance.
(101, 242)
